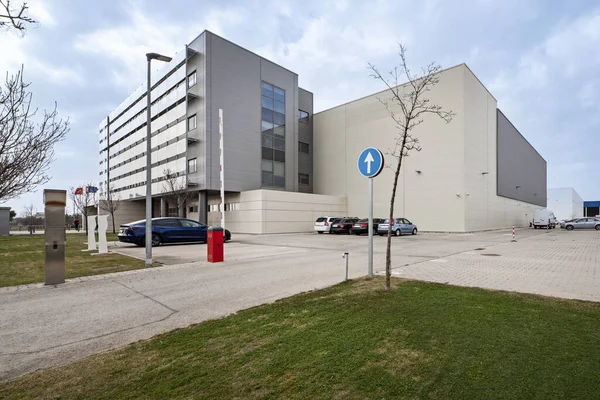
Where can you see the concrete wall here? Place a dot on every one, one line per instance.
(565, 203)
(4, 221)
(484, 209)
(434, 198)
(234, 78)
(521, 169)
(274, 211)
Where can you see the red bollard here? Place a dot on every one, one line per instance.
(215, 243)
(514, 240)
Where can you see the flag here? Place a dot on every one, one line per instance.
(79, 191)
(91, 189)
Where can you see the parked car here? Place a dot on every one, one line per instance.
(362, 226)
(564, 222)
(166, 230)
(401, 226)
(343, 225)
(583, 223)
(323, 224)
(544, 219)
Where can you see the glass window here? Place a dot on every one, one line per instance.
(279, 94)
(267, 153)
(267, 126)
(278, 169)
(278, 155)
(267, 102)
(303, 179)
(303, 147)
(267, 178)
(191, 79)
(279, 107)
(191, 224)
(167, 222)
(279, 119)
(267, 115)
(267, 141)
(279, 143)
(303, 116)
(280, 130)
(279, 181)
(192, 122)
(267, 165)
(191, 165)
(267, 90)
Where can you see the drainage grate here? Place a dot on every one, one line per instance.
(491, 254)
(106, 268)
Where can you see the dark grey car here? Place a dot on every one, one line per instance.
(583, 223)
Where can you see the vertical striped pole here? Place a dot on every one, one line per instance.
(221, 172)
(513, 234)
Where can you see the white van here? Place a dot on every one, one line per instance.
(544, 219)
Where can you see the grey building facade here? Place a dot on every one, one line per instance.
(267, 129)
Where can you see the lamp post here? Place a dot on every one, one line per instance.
(149, 58)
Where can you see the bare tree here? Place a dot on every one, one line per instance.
(407, 105)
(14, 18)
(175, 190)
(29, 216)
(26, 142)
(82, 202)
(111, 204)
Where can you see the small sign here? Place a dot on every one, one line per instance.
(370, 162)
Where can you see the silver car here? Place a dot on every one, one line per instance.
(583, 223)
(401, 226)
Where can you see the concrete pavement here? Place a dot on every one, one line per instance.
(43, 327)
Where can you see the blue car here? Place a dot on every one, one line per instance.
(401, 226)
(166, 230)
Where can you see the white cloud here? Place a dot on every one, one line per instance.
(39, 10)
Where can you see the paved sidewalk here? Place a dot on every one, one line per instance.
(559, 264)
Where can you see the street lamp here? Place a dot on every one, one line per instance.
(150, 57)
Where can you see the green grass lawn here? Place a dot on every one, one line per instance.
(354, 341)
(22, 259)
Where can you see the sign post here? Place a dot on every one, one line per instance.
(370, 164)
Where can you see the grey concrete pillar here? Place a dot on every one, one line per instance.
(163, 207)
(4, 221)
(202, 207)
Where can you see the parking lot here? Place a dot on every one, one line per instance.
(555, 263)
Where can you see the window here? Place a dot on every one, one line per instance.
(191, 79)
(303, 179)
(172, 212)
(303, 147)
(273, 135)
(191, 165)
(303, 116)
(192, 122)
(166, 222)
(187, 223)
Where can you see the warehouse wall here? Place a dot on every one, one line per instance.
(484, 208)
(433, 198)
(565, 203)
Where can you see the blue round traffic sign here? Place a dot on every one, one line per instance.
(370, 162)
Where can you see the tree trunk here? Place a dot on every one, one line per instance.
(112, 216)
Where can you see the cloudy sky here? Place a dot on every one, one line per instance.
(539, 58)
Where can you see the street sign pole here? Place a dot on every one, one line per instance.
(371, 228)
(370, 164)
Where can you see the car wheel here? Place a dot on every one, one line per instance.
(569, 227)
(156, 240)
(397, 232)
(319, 232)
(414, 232)
(597, 227)
(535, 227)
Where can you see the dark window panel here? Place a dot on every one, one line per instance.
(267, 178)
(279, 119)
(277, 155)
(279, 143)
(267, 115)
(267, 141)
(279, 107)
(278, 181)
(267, 102)
(280, 130)
(267, 90)
(267, 154)
(279, 94)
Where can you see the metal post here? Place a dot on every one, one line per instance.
(370, 271)
(148, 173)
(222, 169)
(347, 257)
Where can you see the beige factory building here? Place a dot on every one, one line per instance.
(475, 173)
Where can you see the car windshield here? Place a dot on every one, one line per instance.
(364, 221)
(321, 219)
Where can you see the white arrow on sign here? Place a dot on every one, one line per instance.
(369, 159)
